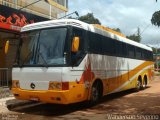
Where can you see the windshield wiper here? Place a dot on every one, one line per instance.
(40, 54)
(29, 54)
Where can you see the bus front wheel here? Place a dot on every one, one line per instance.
(96, 93)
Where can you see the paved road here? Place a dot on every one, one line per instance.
(137, 104)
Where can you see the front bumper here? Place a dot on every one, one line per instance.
(74, 95)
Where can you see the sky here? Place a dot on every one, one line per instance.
(127, 15)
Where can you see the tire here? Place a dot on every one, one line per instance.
(145, 83)
(138, 86)
(96, 93)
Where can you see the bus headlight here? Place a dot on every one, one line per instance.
(54, 85)
(15, 84)
(58, 86)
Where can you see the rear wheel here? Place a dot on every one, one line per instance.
(138, 85)
(145, 82)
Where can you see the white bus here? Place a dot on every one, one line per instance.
(68, 61)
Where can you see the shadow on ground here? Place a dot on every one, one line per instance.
(118, 103)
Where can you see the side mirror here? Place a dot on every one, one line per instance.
(75, 44)
(6, 46)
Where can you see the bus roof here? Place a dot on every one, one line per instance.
(85, 26)
(55, 23)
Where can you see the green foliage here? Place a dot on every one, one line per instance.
(117, 29)
(156, 50)
(89, 18)
(156, 18)
(135, 37)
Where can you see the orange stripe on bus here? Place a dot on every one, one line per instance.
(111, 84)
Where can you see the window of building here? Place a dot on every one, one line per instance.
(62, 2)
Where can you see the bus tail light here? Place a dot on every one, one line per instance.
(15, 84)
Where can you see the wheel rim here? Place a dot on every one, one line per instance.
(95, 94)
(145, 84)
(138, 85)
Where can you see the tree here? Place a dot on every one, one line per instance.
(154, 50)
(156, 18)
(117, 29)
(135, 37)
(89, 18)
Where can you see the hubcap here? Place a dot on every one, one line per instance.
(145, 84)
(95, 94)
(138, 85)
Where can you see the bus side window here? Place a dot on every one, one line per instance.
(119, 49)
(138, 53)
(108, 46)
(148, 55)
(131, 51)
(124, 49)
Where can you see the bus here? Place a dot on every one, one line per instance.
(68, 61)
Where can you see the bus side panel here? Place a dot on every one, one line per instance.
(117, 73)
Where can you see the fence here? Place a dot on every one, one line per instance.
(5, 82)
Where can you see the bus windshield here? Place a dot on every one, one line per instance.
(43, 47)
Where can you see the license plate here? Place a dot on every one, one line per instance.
(34, 99)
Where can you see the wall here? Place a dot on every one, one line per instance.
(2, 54)
(40, 8)
(6, 60)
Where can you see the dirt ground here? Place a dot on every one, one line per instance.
(123, 105)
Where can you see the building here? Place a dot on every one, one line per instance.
(40, 8)
(14, 14)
